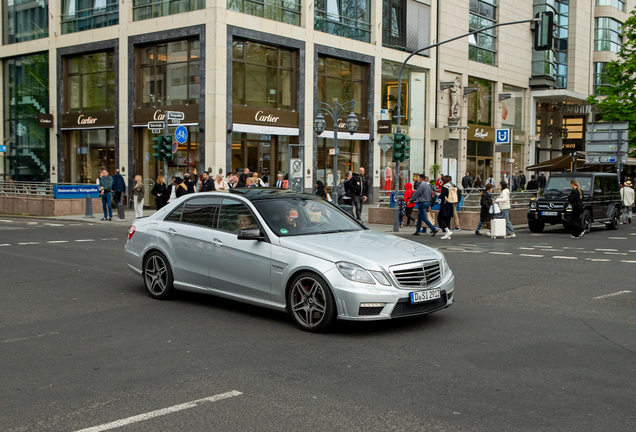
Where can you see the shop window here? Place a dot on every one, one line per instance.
(287, 11)
(25, 20)
(352, 155)
(86, 151)
(146, 9)
(90, 82)
(600, 77)
(169, 74)
(26, 94)
(80, 15)
(263, 75)
(346, 18)
(482, 46)
(608, 35)
(343, 80)
(480, 102)
(618, 4)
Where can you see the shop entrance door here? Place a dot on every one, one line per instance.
(484, 168)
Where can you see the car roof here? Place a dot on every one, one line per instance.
(261, 193)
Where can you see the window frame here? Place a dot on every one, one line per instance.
(264, 9)
(110, 11)
(252, 212)
(213, 221)
(156, 8)
(598, 30)
(476, 48)
(612, 3)
(68, 75)
(364, 96)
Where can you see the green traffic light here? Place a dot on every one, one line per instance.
(159, 147)
(407, 147)
(398, 147)
(167, 147)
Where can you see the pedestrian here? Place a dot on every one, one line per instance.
(220, 184)
(485, 203)
(576, 201)
(409, 206)
(401, 209)
(106, 189)
(504, 205)
(627, 201)
(230, 180)
(246, 171)
(446, 207)
(467, 181)
(138, 195)
(491, 180)
(522, 180)
(341, 190)
(320, 190)
(532, 184)
(279, 181)
(422, 196)
(171, 191)
(180, 188)
(456, 195)
(208, 184)
(347, 199)
(159, 192)
(250, 183)
(478, 184)
(439, 183)
(541, 181)
(257, 180)
(190, 184)
(357, 186)
(119, 187)
(416, 183)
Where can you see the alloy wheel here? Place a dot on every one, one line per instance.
(156, 275)
(308, 302)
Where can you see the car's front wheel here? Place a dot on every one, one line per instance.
(158, 276)
(311, 303)
(615, 221)
(586, 221)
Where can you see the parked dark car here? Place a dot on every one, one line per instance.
(601, 201)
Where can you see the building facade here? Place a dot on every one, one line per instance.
(82, 80)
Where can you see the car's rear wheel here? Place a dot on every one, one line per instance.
(613, 224)
(586, 221)
(536, 227)
(311, 303)
(158, 276)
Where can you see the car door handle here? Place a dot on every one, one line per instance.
(217, 242)
(172, 231)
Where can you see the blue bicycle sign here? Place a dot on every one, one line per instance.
(502, 136)
(181, 135)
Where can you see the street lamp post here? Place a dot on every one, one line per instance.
(320, 124)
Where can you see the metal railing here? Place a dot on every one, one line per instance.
(287, 11)
(472, 198)
(146, 9)
(339, 25)
(90, 18)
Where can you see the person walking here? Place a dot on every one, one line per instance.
(478, 184)
(439, 183)
(106, 189)
(119, 187)
(190, 184)
(422, 196)
(409, 206)
(456, 195)
(504, 205)
(139, 194)
(576, 201)
(532, 184)
(220, 184)
(522, 180)
(180, 188)
(541, 181)
(627, 201)
(171, 191)
(347, 198)
(358, 193)
(320, 190)
(491, 180)
(208, 184)
(230, 180)
(446, 207)
(159, 192)
(485, 203)
(467, 181)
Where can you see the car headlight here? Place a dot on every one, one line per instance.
(533, 205)
(355, 273)
(379, 276)
(443, 265)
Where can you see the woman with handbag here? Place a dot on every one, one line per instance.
(445, 208)
(504, 204)
(485, 203)
(138, 197)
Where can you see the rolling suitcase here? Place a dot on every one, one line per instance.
(498, 228)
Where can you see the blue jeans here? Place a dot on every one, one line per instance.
(479, 225)
(422, 207)
(107, 204)
(506, 215)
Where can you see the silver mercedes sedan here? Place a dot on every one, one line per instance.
(287, 251)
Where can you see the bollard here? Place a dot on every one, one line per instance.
(121, 214)
(89, 207)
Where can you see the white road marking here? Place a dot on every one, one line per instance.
(633, 234)
(614, 253)
(30, 337)
(85, 240)
(564, 257)
(471, 251)
(597, 259)
(537, 234)
(6, 244)
(523, 248)
(29, 243)
(114, 238)
(7, 221)
(543, 247)
(31, 223)
(501, 253)
(618, 238)
(52, 224)
(533, 256)
(632, 251)
(573, 248)
(465, 244)
(625, 261)
(161, 412)
(607, 250)
(551, 250)
(611, 295)
(57, 241)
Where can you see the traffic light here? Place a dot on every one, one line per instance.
(407, 148)
(167, 147)
(544, 31)
(398, 147)
(159, 147)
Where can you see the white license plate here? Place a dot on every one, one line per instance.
(422, 296)
(549, 213)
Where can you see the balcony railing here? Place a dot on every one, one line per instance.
(287, 11)
(146, 9)
(342, 26)
(91, 18)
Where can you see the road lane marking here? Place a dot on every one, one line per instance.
(30, 337)
(618, 238)
(470, 251)
(57, 241)
(551, 250)
(533, 256)
(85, 240)
(573, 248)
(501, 253)
(597, 259)
(611, 295)
(628, 261)
(632, 251)
(564, 257)
(6, 244)
(466, 244)
(161, 412)
(524, 248)
(7, 221)
(614, 253)
(54, 225)
(542, 247)
(114, 238)
(607, 250)
(29, 243)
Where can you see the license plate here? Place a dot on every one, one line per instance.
(549, 213)
(422, 296)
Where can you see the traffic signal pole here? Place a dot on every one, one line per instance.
(396, 211)
(165, 133)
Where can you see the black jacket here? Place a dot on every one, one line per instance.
(541, 181)
(182, 189)
(160, 189)
(522, 180)
(207, 186)
(467, 182)
(445, 208)
(118, 183)
(575, 199)
(191, 184)
(485, 203)
(532, 185)
(357, 186)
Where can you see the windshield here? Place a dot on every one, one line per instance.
(304, 216)
(562, 184)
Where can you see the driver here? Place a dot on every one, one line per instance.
(289, 221)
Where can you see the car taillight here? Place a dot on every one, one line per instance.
(131, 232)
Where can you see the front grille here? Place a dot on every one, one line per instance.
(555, 206)
(405, 308)
(367, 311)
(418, 275)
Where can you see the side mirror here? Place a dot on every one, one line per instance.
(251, 234)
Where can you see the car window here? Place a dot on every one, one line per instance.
(563, 183)
(200, 211)
(175, 215)
(613, 184)
(597, 183)
(235, 216)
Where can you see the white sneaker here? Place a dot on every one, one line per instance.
(445, 237)
(512, 236)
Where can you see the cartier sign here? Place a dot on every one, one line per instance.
(45, 121)
(481, 133)
(342, 127)
(242, 114)
(85, 120)
(142, 116)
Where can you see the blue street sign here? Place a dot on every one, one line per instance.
(75, 191)
(181, 135)
(502, 136)
(3, 148)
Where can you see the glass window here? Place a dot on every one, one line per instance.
(608, 35)
(394, 23)
(145, 9)
(80, 15)
(235, 216)
(85, 152)
(338, 82)
(175, 216)
(263, 75)
(200, 211)
(90, 82)
(26, 94)
(512, 109)
(553, 63)
(287, 11)
(482, 46)
(618, 4)
(169, 74)
(346, 18)
(480, 102)
(25, 20)
(600, 77)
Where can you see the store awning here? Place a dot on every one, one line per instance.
(264, 130)
(560, 163)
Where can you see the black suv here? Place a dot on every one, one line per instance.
(601, 201)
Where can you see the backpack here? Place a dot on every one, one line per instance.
(341, 190)
(452, 195)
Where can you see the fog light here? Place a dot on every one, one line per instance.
(372, 304)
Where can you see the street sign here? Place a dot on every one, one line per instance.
(502, 136)
(155, 125)
(175, 121)
(607, 147)
(176, 115)
(604, 159)
(534, 138)
(175, 146)
(181, 134)
(511, 160)
(3, 148)
(385, 143)
(156, 131)
(333, 152)
(296, 168)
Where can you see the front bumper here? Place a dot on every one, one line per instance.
(560, 218)
(397, 304)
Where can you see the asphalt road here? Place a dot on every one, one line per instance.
(540, 338)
